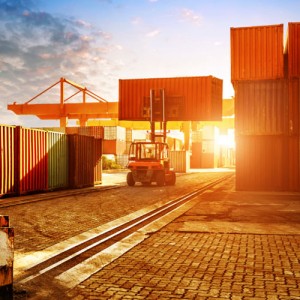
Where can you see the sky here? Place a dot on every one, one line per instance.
(97, 42)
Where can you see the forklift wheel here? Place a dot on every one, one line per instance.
(172, 179)
(160, 178)
(130, 180)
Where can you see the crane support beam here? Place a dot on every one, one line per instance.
(70, 110)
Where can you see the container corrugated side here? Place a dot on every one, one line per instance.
(261, 163)
(261, 107)
(294, 106)
(57, 160)
(180, 161)
(294, 163)
(81, 160)
(72, 130)
(115, 147)
(98, 161)
(196, 155)
(257, 52)
(7, 160)
(186, 98)
(114, 133)
(293, 43)
(33, 160)
(95, 131)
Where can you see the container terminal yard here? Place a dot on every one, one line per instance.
(225, 227)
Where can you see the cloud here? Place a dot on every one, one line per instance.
(190, 16)
(136, 21)
(153, 33)
(37, 48)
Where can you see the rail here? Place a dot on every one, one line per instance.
(15, 201)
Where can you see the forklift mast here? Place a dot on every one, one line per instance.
(158, 114)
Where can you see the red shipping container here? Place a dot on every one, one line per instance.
(81, 160)
(294, 163)
(95, 131)
(196, 155)
(98, 161)
(261, 107)
(294, 106)
(261, 163)
(7, 160)
(257, 52)
(31, 159)
(186, 98)
(293, 49)
(115, 147)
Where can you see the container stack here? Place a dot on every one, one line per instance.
(292, 51)
(267, 150)
(114, 141)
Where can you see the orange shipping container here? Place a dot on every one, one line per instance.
(257, 52)
(115, 147)
(81, 160)
(293, 49)
(261, 107)
(294, 106)
(186, 98)
(31, 146)
(261, 163)
(7, 160)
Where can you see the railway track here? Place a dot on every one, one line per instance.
(73, 262)
(15, 201)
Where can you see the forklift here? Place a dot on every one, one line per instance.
(149, 161)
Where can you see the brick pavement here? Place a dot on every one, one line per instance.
(176, 265)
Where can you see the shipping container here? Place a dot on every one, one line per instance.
(294, 106)
(32, 160)
(128, 135)
(195, 159)
(115, 147)
(180, 161)
(186, 98)
(196, 136)
(261, 107)
(114, 133)
(293, 163)
(98, 161)
(55, 129)
(57, 160)
(7, 160)
(72, 130)
(208, 160)
(95, 131)
(257, 52)
(261, 163)
(293, 50)
(81, 160)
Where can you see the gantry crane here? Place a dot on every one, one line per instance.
(63, 111)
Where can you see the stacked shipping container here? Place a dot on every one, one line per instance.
(196, 98)
(33, 160)
(293, 57)
(265, 108)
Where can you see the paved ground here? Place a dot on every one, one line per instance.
(230, 245)
(227, 245)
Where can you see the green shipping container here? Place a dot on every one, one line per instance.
(57, 160)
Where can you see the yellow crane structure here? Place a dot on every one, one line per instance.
(104, 113)
(63, 111)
